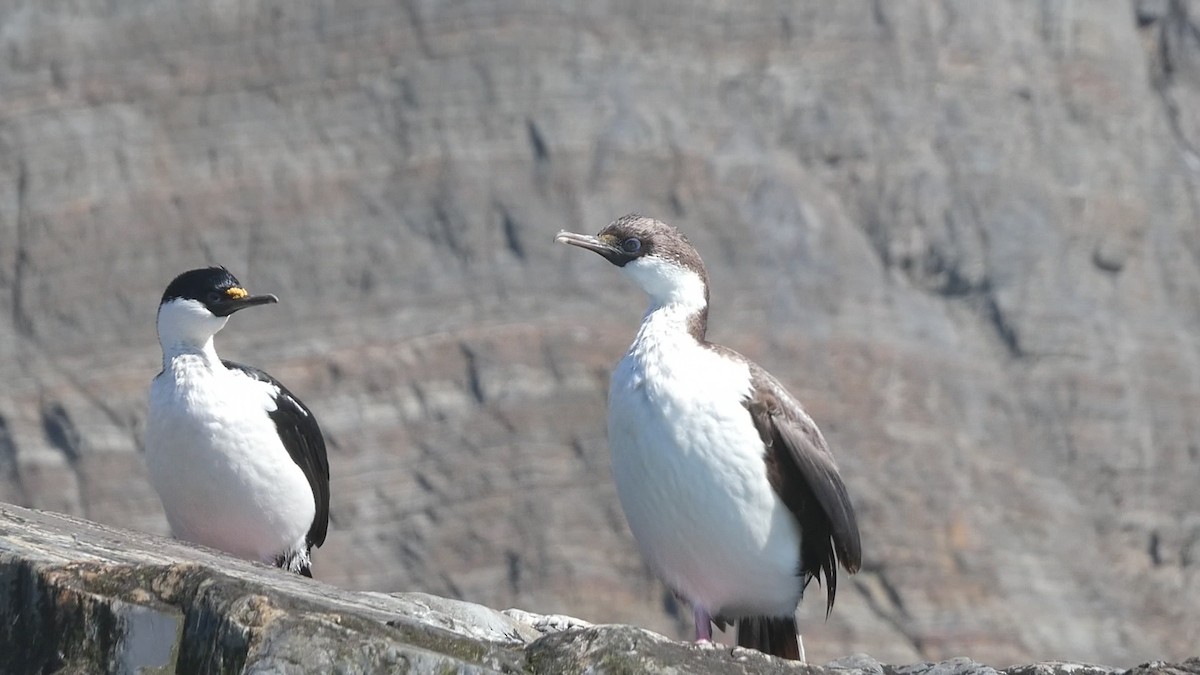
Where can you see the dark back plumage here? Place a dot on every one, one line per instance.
(801, 469)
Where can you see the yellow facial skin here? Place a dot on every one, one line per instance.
(237, 292)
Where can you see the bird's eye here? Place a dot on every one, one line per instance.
(631, 245)
(214, 296)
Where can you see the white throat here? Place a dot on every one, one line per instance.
(187, 327)
(674, 290)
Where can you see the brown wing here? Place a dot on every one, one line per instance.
(802, 471)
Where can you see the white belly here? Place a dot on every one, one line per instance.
(689, 471)
(224, 477)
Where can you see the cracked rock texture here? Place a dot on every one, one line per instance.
(81, 597)
(965, 234)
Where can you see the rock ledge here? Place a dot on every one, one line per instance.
(77, 596)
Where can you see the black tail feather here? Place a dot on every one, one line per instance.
(771, 635)
(293, 560)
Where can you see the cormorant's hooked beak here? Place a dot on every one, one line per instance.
(237, 298)
(605, 246)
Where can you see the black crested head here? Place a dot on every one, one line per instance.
(197, 284)
(215, 288)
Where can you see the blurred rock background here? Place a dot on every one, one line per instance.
(966, 234)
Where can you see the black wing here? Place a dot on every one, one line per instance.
(802, 471)
(302, 437)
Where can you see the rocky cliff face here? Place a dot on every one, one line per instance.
(964, 234)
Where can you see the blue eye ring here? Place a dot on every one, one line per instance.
(631, 245)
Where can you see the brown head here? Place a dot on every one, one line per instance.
(655, 255)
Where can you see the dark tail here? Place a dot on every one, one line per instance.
(286, 560)
(771, 635)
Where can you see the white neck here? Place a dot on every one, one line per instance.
(187, 328)
(676, 293)
(206, 352)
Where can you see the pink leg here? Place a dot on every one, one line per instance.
(703, 624)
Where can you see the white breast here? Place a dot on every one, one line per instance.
(216, 461)
(689, 471)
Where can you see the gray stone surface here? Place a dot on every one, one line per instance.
(77, 596)
(963, 233)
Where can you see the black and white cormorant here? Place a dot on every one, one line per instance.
(728, 486)
(237, 460)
